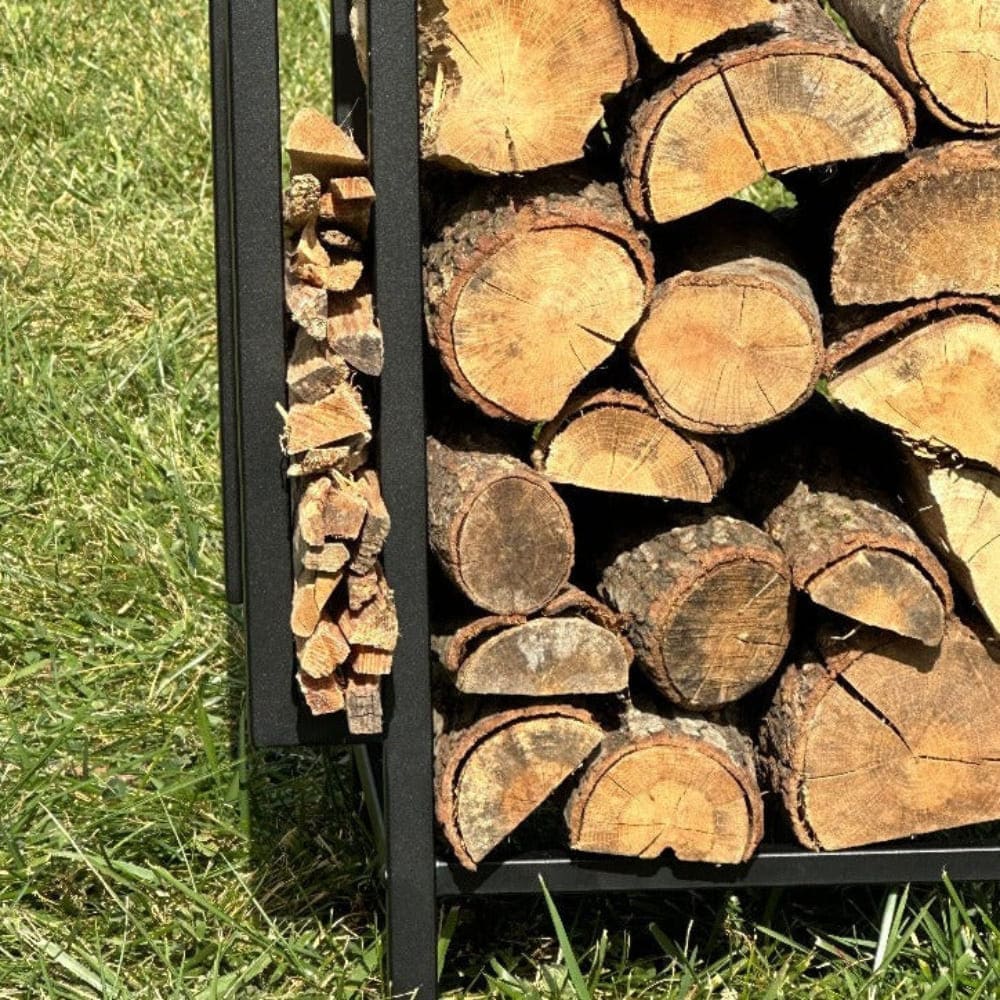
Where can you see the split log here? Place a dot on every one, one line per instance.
(364, 587)
(348, 205)
(530, 288)
(491, 775)
(313, 370)
(317, 146)
(614, 442)
(329, 558)
(345, 459)
(375, 624)
(311, 262)
(369, 662)
(309, 599)
(353, 333)
(862, 561)
(958, 512)
(681, 784)
(322, 652)
(331, 508)
(884, 738)
(730, 347)
(757, 109)
(929, 228)
(708, 608)
(946, 51)
(334, 419)
(363, 702)
(500, 531)
(377, 525)
(675, 28)
(572, 648)
(324, 695)
(930, 372)
(307, 305)
(508, 88)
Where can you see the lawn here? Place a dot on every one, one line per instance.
(145, 851)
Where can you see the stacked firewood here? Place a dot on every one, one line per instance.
(343, 615)
(748, 452)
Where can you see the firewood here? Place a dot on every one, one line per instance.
(301, 201)
(341, 242)
(319, 147)
(573, 647)
(614, 441)
(930, 372)
(682, 784)
(517, 86)
(362, 588)
(958, 512)
(310, 515)
(333, 419)
(323, 695)
(322, 652)
(375, 624)
(708, 607)
(345, 458)
(348, 204)
(313, 370)
(311, 262)
(673, 28)
(307, 305)
(310, 597)
(929, 228)
(859, 559)
(370, 662)
(883, 738)
(529, 289)
(946, 51)
(376, 527)
(345, 509)
(500, 531)
(329, 558)
(756, 109)
(363, 701)
(353, 332)
(492, 774)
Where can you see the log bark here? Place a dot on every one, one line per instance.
(930, 372)
(675, 28)
(500, 531)
(313, 371)
(862, 561)
(376, 526)
(756, 109)
(958, 512)
(883, 738)
(614, 442)
(530, 288)
(708, 608)
(929, 228)
(363, 703)
(353, 334)
(730, 347)
(493, 773)
(681, 784)
(573, 647)
(517, 86)
(334, 419)
(317, 146)
(946, 51)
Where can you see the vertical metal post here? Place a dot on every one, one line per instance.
(232, 514)
(409, 799)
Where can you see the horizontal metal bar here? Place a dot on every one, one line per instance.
(772, 867)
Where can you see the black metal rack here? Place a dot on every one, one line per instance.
(258, 516)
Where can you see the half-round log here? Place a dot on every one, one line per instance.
(681, 784)
(615, 442)
(529, 289)
(806, 96)
(930, 228)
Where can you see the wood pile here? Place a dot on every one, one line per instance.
(343, 616)
(714, 491)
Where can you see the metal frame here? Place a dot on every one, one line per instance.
(396, 778)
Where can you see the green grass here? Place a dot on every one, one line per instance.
(143, 851)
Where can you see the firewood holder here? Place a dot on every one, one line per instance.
(396, 772)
